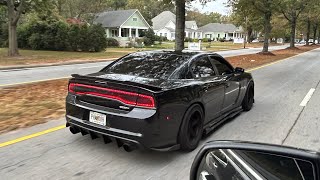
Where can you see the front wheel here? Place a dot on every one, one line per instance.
(248, 99)
(191, 128)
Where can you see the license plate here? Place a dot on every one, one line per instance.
(98, 118)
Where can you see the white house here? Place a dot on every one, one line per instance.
(122, 25)
(165, 24)
(216, 31)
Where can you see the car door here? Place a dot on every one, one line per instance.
(231, 82)
(212, 86)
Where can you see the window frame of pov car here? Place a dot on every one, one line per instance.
(306, 155)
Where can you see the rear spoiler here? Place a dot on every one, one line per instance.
(135, 84)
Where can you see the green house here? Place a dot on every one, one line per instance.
(123, 25)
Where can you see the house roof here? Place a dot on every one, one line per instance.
(114, 18)
(190, 23)
(218, 27)
(162, 19)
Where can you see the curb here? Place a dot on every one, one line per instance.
(55, 64)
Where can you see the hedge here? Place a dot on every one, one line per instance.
(58, 35)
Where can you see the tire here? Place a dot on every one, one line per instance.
(191, 129)
(248, 99)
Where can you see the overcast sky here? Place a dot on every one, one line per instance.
(215, 6)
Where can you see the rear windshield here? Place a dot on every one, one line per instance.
(148, 65)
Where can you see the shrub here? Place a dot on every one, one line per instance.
(147, 41)
(58, 35)
(187, 39)
(205, 39)
(149, 37)
(111, 42)
(4, 35)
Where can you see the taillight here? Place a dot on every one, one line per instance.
(71, 88)
(129, 98)
(145, 101)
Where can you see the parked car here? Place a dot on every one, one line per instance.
(159, 100)
(226, 160)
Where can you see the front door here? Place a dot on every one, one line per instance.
(232, 85)
(212, 87)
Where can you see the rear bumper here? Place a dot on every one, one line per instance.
(139, 127)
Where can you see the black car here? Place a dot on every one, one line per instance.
(159, 100)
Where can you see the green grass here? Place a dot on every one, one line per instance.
(41, 57)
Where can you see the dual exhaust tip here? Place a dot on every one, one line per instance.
(127, 146)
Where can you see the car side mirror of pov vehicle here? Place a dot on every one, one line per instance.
(239, 70)
(219, 160)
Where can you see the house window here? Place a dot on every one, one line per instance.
(218, 35)
(165, 34)
(160, 34)
(225, 35)
(134, 19)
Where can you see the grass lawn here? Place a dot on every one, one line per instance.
(29, 57)
(36, 103)
(40, 57)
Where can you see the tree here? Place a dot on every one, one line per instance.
(257, 8)
(180, 24)
(15, 9)
(203, 19)
(291, 9)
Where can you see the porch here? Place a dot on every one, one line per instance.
(125, 33)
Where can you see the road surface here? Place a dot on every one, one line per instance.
(276, 118)
(16, 76)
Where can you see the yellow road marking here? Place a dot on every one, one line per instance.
(32, 136)
(29, 82)
(63, 126)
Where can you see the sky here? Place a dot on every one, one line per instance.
(214, 6)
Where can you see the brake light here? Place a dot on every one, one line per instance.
(129, 98)
(145, 101)
(71, 87)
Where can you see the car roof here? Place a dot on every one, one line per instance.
(190, 53)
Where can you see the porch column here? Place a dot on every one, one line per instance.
(233, 35)
(130, 35)
(137, 32)
(119, 32)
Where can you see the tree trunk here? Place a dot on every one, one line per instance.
(293, 32)
(315, 28)
(249, 34)
(180, 25)
(319, 36)
(13, 42)
(308, 31)
(267, 30)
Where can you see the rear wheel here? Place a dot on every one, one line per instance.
(192, 128)
(248, 99)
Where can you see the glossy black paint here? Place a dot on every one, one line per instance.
(306, 155)
(220, 96)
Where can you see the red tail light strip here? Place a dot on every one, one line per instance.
(129, 98)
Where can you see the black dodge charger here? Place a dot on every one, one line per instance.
(159, 100)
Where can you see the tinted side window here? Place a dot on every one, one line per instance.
(222, 66)
(202, 68)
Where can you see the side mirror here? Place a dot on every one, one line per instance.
(219, 160)
(239, 70)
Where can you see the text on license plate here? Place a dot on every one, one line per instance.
(98, 118)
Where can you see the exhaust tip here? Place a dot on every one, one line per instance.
(129, 147)
(74, 130)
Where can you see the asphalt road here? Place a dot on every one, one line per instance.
(276, 118)
(14, 76)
